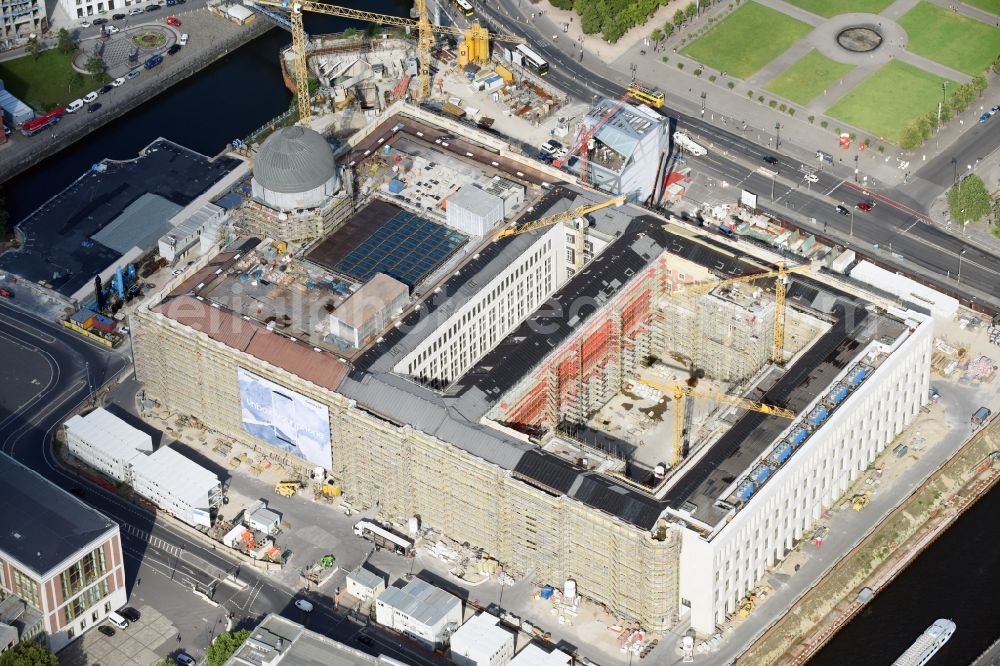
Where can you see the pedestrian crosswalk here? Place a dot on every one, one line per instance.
(153, 541)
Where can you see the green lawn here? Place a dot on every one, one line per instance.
(950, 39)
(747, 39)
(46, 81)
(985, 5)
(830, 8)
(888, 99)
(808, 77)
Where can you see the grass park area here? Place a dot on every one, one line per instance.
(46, 81)
(808, 78)
(830, 8)
(888, 99)
(951, 39)
(747, 39)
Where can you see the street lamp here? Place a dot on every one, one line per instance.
(704, 96)
(856, 168)
(954, 164)
(852, 223)
(960, 254)
(777, 136)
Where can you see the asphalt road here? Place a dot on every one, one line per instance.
(67, 368)
(736, 158)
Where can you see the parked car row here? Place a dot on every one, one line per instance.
(91, 97)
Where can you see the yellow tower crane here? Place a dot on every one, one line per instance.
(780, 285)
(681, 392)
(425, 39)
(579, 225)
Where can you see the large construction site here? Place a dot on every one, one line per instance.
(454, 331)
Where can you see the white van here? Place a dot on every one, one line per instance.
(90, 97)
(117, 620)
(74, 106)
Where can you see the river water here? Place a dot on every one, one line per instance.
(957, 578)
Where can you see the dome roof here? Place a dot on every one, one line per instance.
(294, 159)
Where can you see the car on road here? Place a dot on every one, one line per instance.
(174, 21)
(100, 21)
(842, 209)
(119, 81)
(995, 109)
(865, 206)
(130, 614)
(106, 630)
(6, 293)
(183, 40)
(105, 89)
(561, 153)
(118, 17)
(811, 178)
(986, 116)
(135, 10)
(85, 24)
(94, 107)
(174, 49)
(152, 8)
(303, 605)
(184, 659)
(134, 73)
(171, 3)
(89, 97)
(76, 491)
(770, 159)
(365, 639)
(111, 29)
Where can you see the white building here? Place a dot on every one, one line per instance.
(867, 397)
(186, 237)
(259, 517)
(474, 211)
(177, 485)
(106, 443)
(533, 655)
(364, 585)
(482, 642)
(510, 192)
(369, 310)
(424, 612)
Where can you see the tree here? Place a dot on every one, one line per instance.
(34, 48)
(979, 83)
(668, 29)
(94, 66)
(909, 137)
(165, 662)
(224, 645)
(656, 35)
(691, 10)
(28, 654)
(66, 43)
(679, 18)
(969, 201)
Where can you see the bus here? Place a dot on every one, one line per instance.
(650, 96)
(36, 125)
(532, 60)
(464, 6)
(383, 538)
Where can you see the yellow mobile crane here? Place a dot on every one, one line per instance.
(780, 284)
(681, 416)
(425, 39)
(573, 214)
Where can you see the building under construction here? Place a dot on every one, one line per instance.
(462, 409)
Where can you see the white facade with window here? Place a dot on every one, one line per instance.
(179, 486)
(424, 612)
(482, 641)
(719, 569)
(106, 443)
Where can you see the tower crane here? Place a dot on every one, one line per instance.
(780, 285)
(579, 225)
(586, 136)
(682, 416)
(425, 39)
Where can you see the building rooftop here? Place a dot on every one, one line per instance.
(534, 655)
(189, 481)
(49, 525)
(481, 636)
(293, 159)
(280, 642)
(373, 296)
(140, 225)
(366, 578)
(114, 435)
(475, 200)
(420, 601)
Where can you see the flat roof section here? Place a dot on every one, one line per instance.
(59, 231)
(383, 238)
(49, 524)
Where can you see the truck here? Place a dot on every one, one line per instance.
(981, 416)
(383, 537)
(688, 145)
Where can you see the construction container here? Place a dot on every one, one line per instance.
(797, 437)
(855, 376)
(453, 110)
(762, 473)
(280, 246)
(505, 73)
(396, 186)
(545, 592)
(818, 415)
(746, 489)
(782, 453)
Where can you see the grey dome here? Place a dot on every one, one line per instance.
(294, 159)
